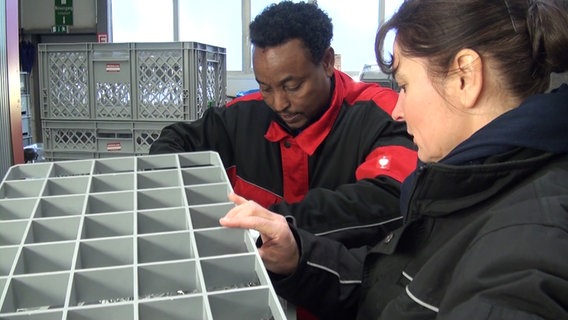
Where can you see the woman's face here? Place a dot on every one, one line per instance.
(436, 125)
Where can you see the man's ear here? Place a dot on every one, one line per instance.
(328, 61)
(469, 78)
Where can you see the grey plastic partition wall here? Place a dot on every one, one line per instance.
(127, 238)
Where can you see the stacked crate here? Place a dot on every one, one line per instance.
(102, 100)
(27, 122)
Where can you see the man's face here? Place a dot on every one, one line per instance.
(290, 83)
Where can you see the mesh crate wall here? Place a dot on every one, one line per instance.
(72, 140)
(132, 85)
(171, 81)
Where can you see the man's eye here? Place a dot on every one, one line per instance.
(292, 88)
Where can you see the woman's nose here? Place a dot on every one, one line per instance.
(397, 112)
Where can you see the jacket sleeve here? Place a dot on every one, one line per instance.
(517, 273)
(353, 213)
(209, 132)
(327, 279)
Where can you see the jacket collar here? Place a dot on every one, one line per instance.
(313, 135)
(537, 124)
(439, 189)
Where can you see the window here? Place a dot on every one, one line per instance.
(390, 8)
(141, 21)
(258, 5)
(220, 23)
(355, 24)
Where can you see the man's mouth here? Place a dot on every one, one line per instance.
(289, 117)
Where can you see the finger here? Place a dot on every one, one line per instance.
(236, 214)
(236, 198)
(245, 207)
(236, 218)
(250, 215)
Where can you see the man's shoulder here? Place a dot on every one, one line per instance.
(356, 92)
(250, 98)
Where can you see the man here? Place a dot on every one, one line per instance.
(313, 144)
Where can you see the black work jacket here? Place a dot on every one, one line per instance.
(338, 177)
(480, 249)
(485, 234)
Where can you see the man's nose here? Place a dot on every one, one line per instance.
(281, 101)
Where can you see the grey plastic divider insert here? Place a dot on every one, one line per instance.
(127, 238)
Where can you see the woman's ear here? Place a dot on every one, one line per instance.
(469, 78)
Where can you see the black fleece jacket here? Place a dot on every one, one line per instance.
(484, 236)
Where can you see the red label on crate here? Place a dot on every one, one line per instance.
(102, 37)
(113, 67)
(114, 146)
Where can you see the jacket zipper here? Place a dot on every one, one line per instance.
(409, 215)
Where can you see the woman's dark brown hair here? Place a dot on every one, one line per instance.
(527, 39)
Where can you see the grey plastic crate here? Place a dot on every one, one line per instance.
(73, 140)
(25, 97)
(169, 81)
(127, 238)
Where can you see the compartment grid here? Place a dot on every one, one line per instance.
(127, 238)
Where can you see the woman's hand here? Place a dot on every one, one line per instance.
(279, 250)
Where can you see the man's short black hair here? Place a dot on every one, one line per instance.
(287, 20)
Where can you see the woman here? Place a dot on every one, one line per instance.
(485, 232)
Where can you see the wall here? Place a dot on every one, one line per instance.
(11, 151)
(37, 18)
(39, 15)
